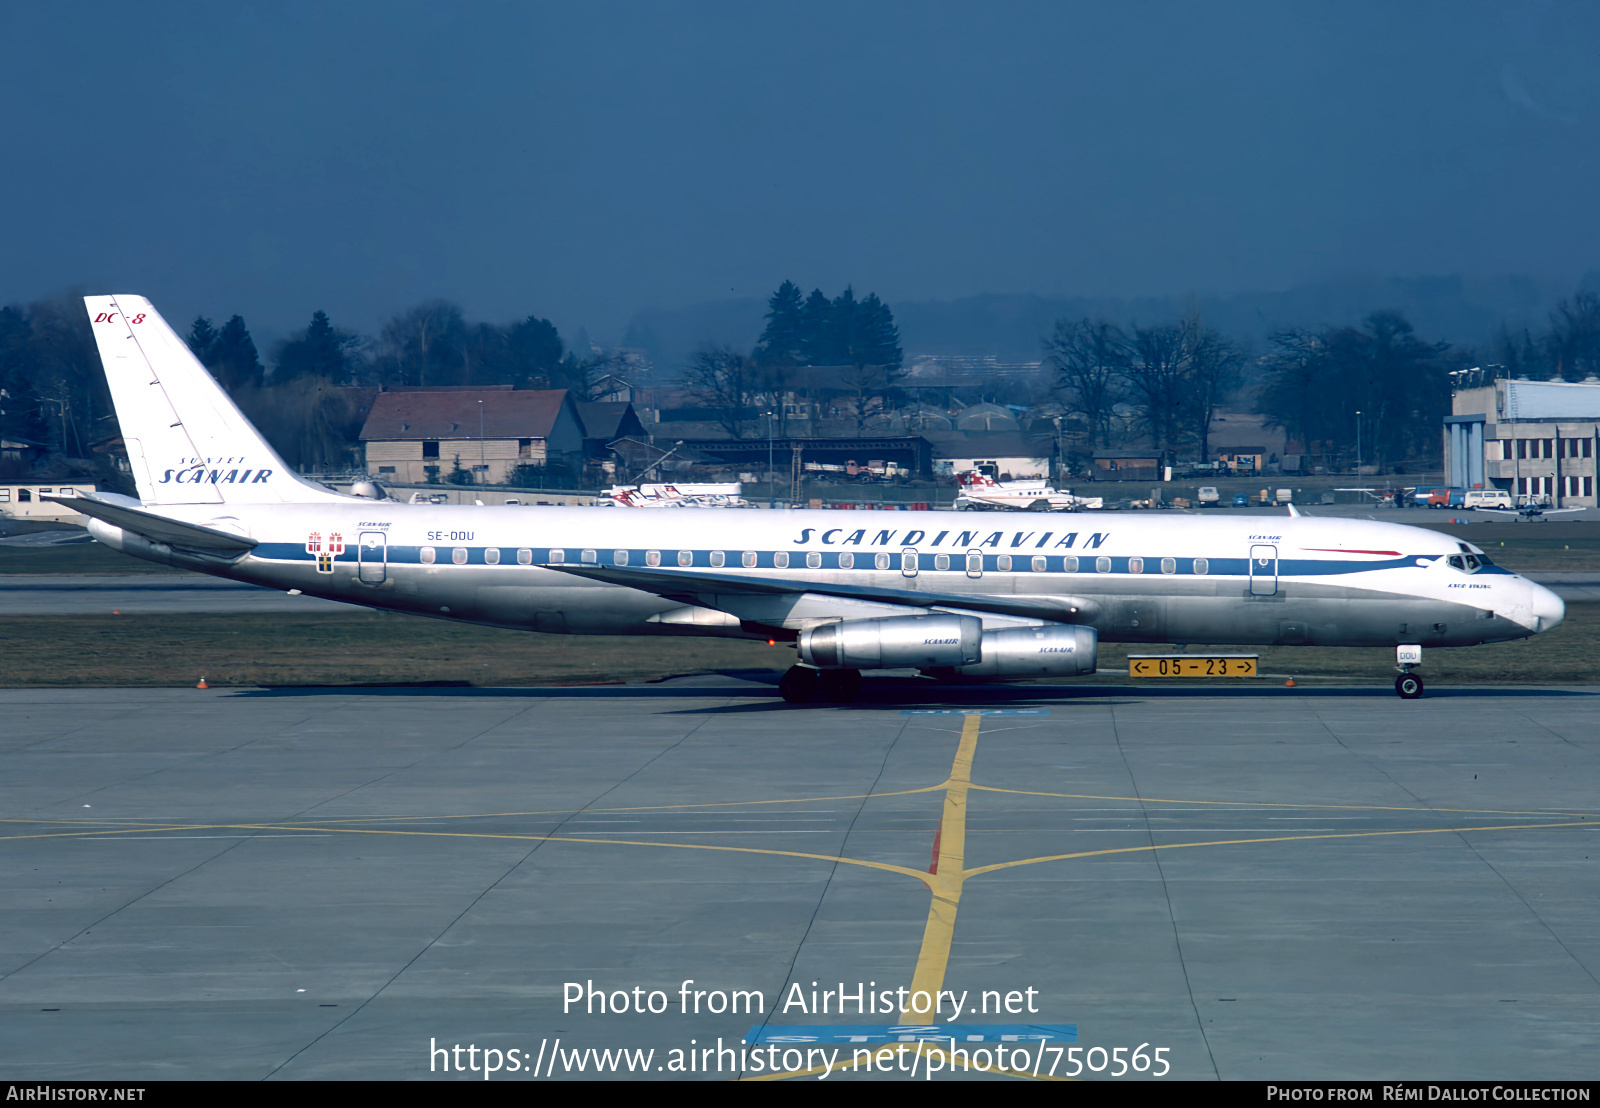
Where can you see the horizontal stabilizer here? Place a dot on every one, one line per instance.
(703, 588)
(157, 528)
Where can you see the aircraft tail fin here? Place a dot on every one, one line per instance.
(187, 442)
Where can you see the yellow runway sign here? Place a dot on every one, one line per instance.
(1192, 665)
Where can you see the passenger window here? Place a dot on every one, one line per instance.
(813, 561)
(524, 557)
(491, 556)
(749, 559)
(686, 557)
(427, 555)
(558, 555)
(716, 559)
(589, 556)
(781, 559)
(1135, 565)
(621, 557)
(1169, 565)
(652, 557)
(1003, 563)
(1069, 564)
(847, 560)
(1102, 565)
(1040, 563)
(459, 555)
(1201, 566)
(881, 561)
(941, 561)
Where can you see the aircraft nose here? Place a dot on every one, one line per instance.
(1546, 607)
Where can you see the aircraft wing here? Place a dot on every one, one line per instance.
(761, 600)
(157, 528)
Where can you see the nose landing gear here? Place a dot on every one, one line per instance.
(1408, 686)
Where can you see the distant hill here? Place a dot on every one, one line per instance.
(1463, 311)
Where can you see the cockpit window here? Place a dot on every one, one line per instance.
(1472, 562)
(1467, 563)
(1455, 560)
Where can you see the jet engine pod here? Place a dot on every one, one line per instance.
(1050, 650)
(920, 641)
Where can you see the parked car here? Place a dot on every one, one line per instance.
(1208, 497)
(1240, 500)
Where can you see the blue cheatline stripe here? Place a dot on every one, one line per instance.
(962, 1033)
(1087, 565)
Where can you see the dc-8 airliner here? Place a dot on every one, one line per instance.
(1030, 595)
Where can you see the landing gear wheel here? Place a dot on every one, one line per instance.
(798, 685)
(841, 685)
(1408, 686)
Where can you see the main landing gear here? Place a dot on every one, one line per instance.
(800, 684)
(1408, 686)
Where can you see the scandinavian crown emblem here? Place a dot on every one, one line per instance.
(325, 552)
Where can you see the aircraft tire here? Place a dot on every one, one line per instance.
(798, 684)
(841, 685)
(1408, 686)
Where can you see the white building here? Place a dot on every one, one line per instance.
(1530, 438)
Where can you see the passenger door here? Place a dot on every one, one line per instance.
(373, 556)
(1263, 570)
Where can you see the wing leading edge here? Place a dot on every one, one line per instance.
(763, 600)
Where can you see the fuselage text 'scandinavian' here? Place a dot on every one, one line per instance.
(1030, 595)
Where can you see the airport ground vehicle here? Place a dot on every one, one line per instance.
(1487, 498)
(1450, 497)
(1030, 596)
(1208, 497)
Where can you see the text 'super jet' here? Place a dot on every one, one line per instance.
(1026, 596)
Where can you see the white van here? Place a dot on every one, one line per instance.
(1487, 498)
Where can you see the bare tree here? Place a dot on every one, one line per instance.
(1159, 385)
(1214, 364)
(728, 383)
(1089, 357)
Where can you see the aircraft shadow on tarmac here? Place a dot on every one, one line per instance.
(900, 692)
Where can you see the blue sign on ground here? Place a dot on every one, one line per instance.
(912, 1032)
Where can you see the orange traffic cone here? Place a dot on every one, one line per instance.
(202, 684)
(115, 612)
(1289, 684)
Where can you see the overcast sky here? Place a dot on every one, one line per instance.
(585, 160)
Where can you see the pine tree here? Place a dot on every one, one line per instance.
(783, 341)
(202, 340)
(534, 350)
(816, 319)
(236, 363)
(323, 352)
(876, 339)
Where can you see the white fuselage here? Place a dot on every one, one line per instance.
(1172, 578)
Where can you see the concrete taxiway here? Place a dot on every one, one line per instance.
(1263, 882)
